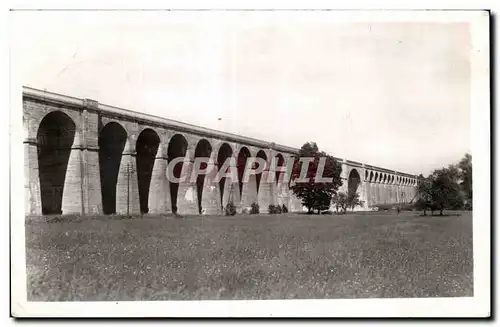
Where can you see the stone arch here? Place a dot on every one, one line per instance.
(353, 181)
(261, 154)
(177, 147)
(203, 149)
(225, 152)
(112, 140)
(280, 160)
(376, 177)
(371, 176)
(146, 148)
(55, 138)
(241, 162)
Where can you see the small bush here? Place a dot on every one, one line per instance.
(274, 209)
(230, 209)
(254, 209)
(284, 209)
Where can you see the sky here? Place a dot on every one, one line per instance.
(389, 94)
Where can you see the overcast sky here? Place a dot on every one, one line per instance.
(394, 95)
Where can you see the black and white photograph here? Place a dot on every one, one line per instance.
(250, 163)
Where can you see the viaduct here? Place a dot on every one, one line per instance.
(83, 157)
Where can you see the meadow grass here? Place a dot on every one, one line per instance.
(287, 256)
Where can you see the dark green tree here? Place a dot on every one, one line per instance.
(314, 193)
(339, 200)
(424, 194)
(465, 167)
(446, 191)
(353, 199)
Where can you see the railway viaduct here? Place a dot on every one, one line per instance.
(83, 157)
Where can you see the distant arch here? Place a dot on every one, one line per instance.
(261, 154)
(146, 147)
(203, 150)
(177, 147)
(279, 163)
(241, 162)
(112, 140)
(353, 181)
(55, 137)
(225, 152)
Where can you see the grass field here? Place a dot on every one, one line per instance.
(285, 256)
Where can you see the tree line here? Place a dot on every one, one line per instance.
(448, 188)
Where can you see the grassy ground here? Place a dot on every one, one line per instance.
(250, 257)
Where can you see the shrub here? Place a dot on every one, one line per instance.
(230, 209)
(274, 209)
(284, 209)
(254, 209)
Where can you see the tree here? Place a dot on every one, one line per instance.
(425, 194)
(465, 167)
(446, 189)
(340, 201)
(440, 190)
(353, 199)
(315, 194)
